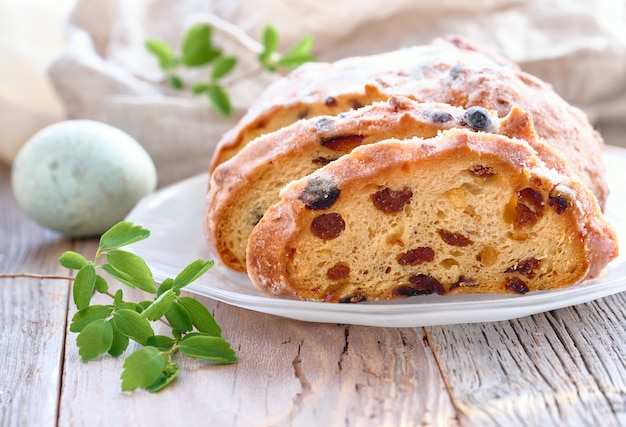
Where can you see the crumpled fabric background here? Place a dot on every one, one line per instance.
(104, 72)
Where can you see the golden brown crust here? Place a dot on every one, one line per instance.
(450, 70)
(243, 187)
(461, 212)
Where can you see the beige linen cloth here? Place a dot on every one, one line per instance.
(105, 73)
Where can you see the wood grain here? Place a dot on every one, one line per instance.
(566, 367)
(32, 317)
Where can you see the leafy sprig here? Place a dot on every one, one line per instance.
(109, 328)
(197, 50)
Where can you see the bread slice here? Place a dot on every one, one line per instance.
(463, 212)
(242, 188)
(450, 70)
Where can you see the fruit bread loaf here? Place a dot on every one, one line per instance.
(450, 70)
(243, 187)
(463, 212)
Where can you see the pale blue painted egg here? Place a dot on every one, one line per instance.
(80, 177)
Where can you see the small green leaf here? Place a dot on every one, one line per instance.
(119, 296)
(73, 260)
(175, 82)
(130, 269)
(191, 273)
(119, 344)
(122, 234)
(131, 324)
(199, 88)
(165, 286)
(160, 306)
(270, 40)
(142, 368)
(299, 54)
(170, 372)
(179, 318)
(130, 305)
(223, 66)
(101, 284)
(201, 317)
(84, 283)
(95, 339)
(163, 52)
(196, 46)
(220, 99)
(214, 349)
(87, 315)
(161, 342)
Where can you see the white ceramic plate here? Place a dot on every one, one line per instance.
(174, 217)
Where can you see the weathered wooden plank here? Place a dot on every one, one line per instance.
(32, 317)
(548, 369)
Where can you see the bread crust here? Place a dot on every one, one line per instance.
(485, 215)
(243, 187)
(450, 70)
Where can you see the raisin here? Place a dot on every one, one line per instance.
(417, 256)
(463, 282)
(456, 71)
(344, 143)
(407, 291)
(526, 267)
(338, 271)
(482, 171)
(330, 102)
(454, 239)
(324, 124)
(529, 207)
(425, 284)
(353, 299)
(319, 194)
(516, 285)
(390, 201)
(356, 104)
(559, 203)
(322, 161)
(478, 119)
(302, 114)
(438, 116)
(328, 226)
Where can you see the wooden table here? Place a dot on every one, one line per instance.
(566, 367)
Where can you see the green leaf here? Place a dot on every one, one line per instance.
(161, 342)
(179, 318)
(84, 283)
(191, 273)
(131, 324)
(122, 234)
(101, 284)
(142, 368)
(223, 66)
(73, 260)
(201, 318)
(130, 269)
(163, 52)
(175, 82)
(119, 344)
(298, 54)
(119, 296)
(220, 99)
(130, 305)
(165, 286)
(95, 339)
(214, 349)
(199, 88)
(270, 40)
(159, 306)
(87, 315)
(196, 46)
(170, 372)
